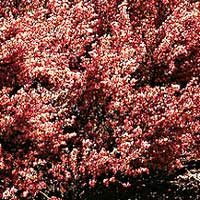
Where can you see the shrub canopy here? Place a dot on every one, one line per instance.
(94, 91)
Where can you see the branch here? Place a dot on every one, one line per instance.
(192, 175)
(45, 195)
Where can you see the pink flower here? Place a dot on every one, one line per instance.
(92, 183)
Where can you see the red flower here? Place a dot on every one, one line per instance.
(95, 88)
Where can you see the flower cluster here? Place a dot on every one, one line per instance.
(93, 91)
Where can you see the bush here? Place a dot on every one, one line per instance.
(95, 93)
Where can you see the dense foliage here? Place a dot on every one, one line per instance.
(95, 92)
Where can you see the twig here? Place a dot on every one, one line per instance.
(192, 175)
(45, 195)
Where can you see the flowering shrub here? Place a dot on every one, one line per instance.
(94, 90)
